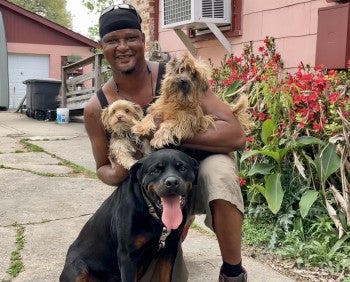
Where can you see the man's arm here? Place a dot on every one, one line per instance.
(227, 136)
(100, 146)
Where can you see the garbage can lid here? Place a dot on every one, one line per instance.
(34, 80)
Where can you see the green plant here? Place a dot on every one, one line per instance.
(290, 124)
(16, 264)
(256, 232)
(295, 163)
(322, 249)
(31, 147)
(74, 58)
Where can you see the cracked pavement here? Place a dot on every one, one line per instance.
(52, 203)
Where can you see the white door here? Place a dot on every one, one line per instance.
(23, 67)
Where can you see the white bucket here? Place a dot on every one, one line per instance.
(62, 115)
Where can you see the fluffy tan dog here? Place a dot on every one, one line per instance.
(178, 106)
(240, 110)
(118, 118)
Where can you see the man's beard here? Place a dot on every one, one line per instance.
(128, 72)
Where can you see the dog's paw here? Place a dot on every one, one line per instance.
(145, 127)
(158, 142)
(127, 163)
(161, 140)
(141, 130)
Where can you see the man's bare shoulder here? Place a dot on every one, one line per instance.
(92, 108)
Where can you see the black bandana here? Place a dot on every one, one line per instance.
(118, 19)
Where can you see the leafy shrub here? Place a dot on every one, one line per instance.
(297, 158)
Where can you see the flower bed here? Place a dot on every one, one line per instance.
(295, 170)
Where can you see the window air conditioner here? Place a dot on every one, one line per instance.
(195, 13)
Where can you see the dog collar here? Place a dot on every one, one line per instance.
(163, 236)
(152, 211)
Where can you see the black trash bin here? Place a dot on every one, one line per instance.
(42, 98)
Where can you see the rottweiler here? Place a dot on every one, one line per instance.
(142, 220)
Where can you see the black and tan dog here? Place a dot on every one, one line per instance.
(142, 220)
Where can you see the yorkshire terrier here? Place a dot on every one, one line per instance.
(118, 118)
(178, 106)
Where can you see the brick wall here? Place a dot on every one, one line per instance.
(146, 11)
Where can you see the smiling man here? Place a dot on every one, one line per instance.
(138, 80)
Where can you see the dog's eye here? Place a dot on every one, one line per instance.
(113, 111)
(127, 111)
(181, 167)
(155, 170)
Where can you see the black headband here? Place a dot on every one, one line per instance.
(118, 19)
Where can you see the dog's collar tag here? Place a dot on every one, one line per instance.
(163, 236)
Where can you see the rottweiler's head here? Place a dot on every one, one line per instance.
(167, 176)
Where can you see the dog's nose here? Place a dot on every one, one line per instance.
(171, 182)
(184, 85)
(184, 82)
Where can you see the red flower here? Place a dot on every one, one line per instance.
(263, 116)
(319, 68)
(312, 97)
(242, 181)
(320, 80)
(333, 97)
(250, 139)
(238, 59)
(332, 72)
(302, 124)
(297, 99)
(303, 111)
(306, 77)
(261, 49)
(317, 127)
(255, 113)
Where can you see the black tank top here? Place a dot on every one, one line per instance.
(161, 70)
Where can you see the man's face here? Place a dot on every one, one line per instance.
(123, 49)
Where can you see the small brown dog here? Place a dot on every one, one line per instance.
(178, 106)
(118, 118)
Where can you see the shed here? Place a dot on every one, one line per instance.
(37, 48)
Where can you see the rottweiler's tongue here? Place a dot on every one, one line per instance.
(172, 214)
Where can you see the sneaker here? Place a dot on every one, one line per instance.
(243, 277)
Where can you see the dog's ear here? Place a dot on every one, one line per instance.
(105, 117)
(195, 166)
(202, 73)
(204, 86)
(136, 170)
(171, 65)
(138, 112)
